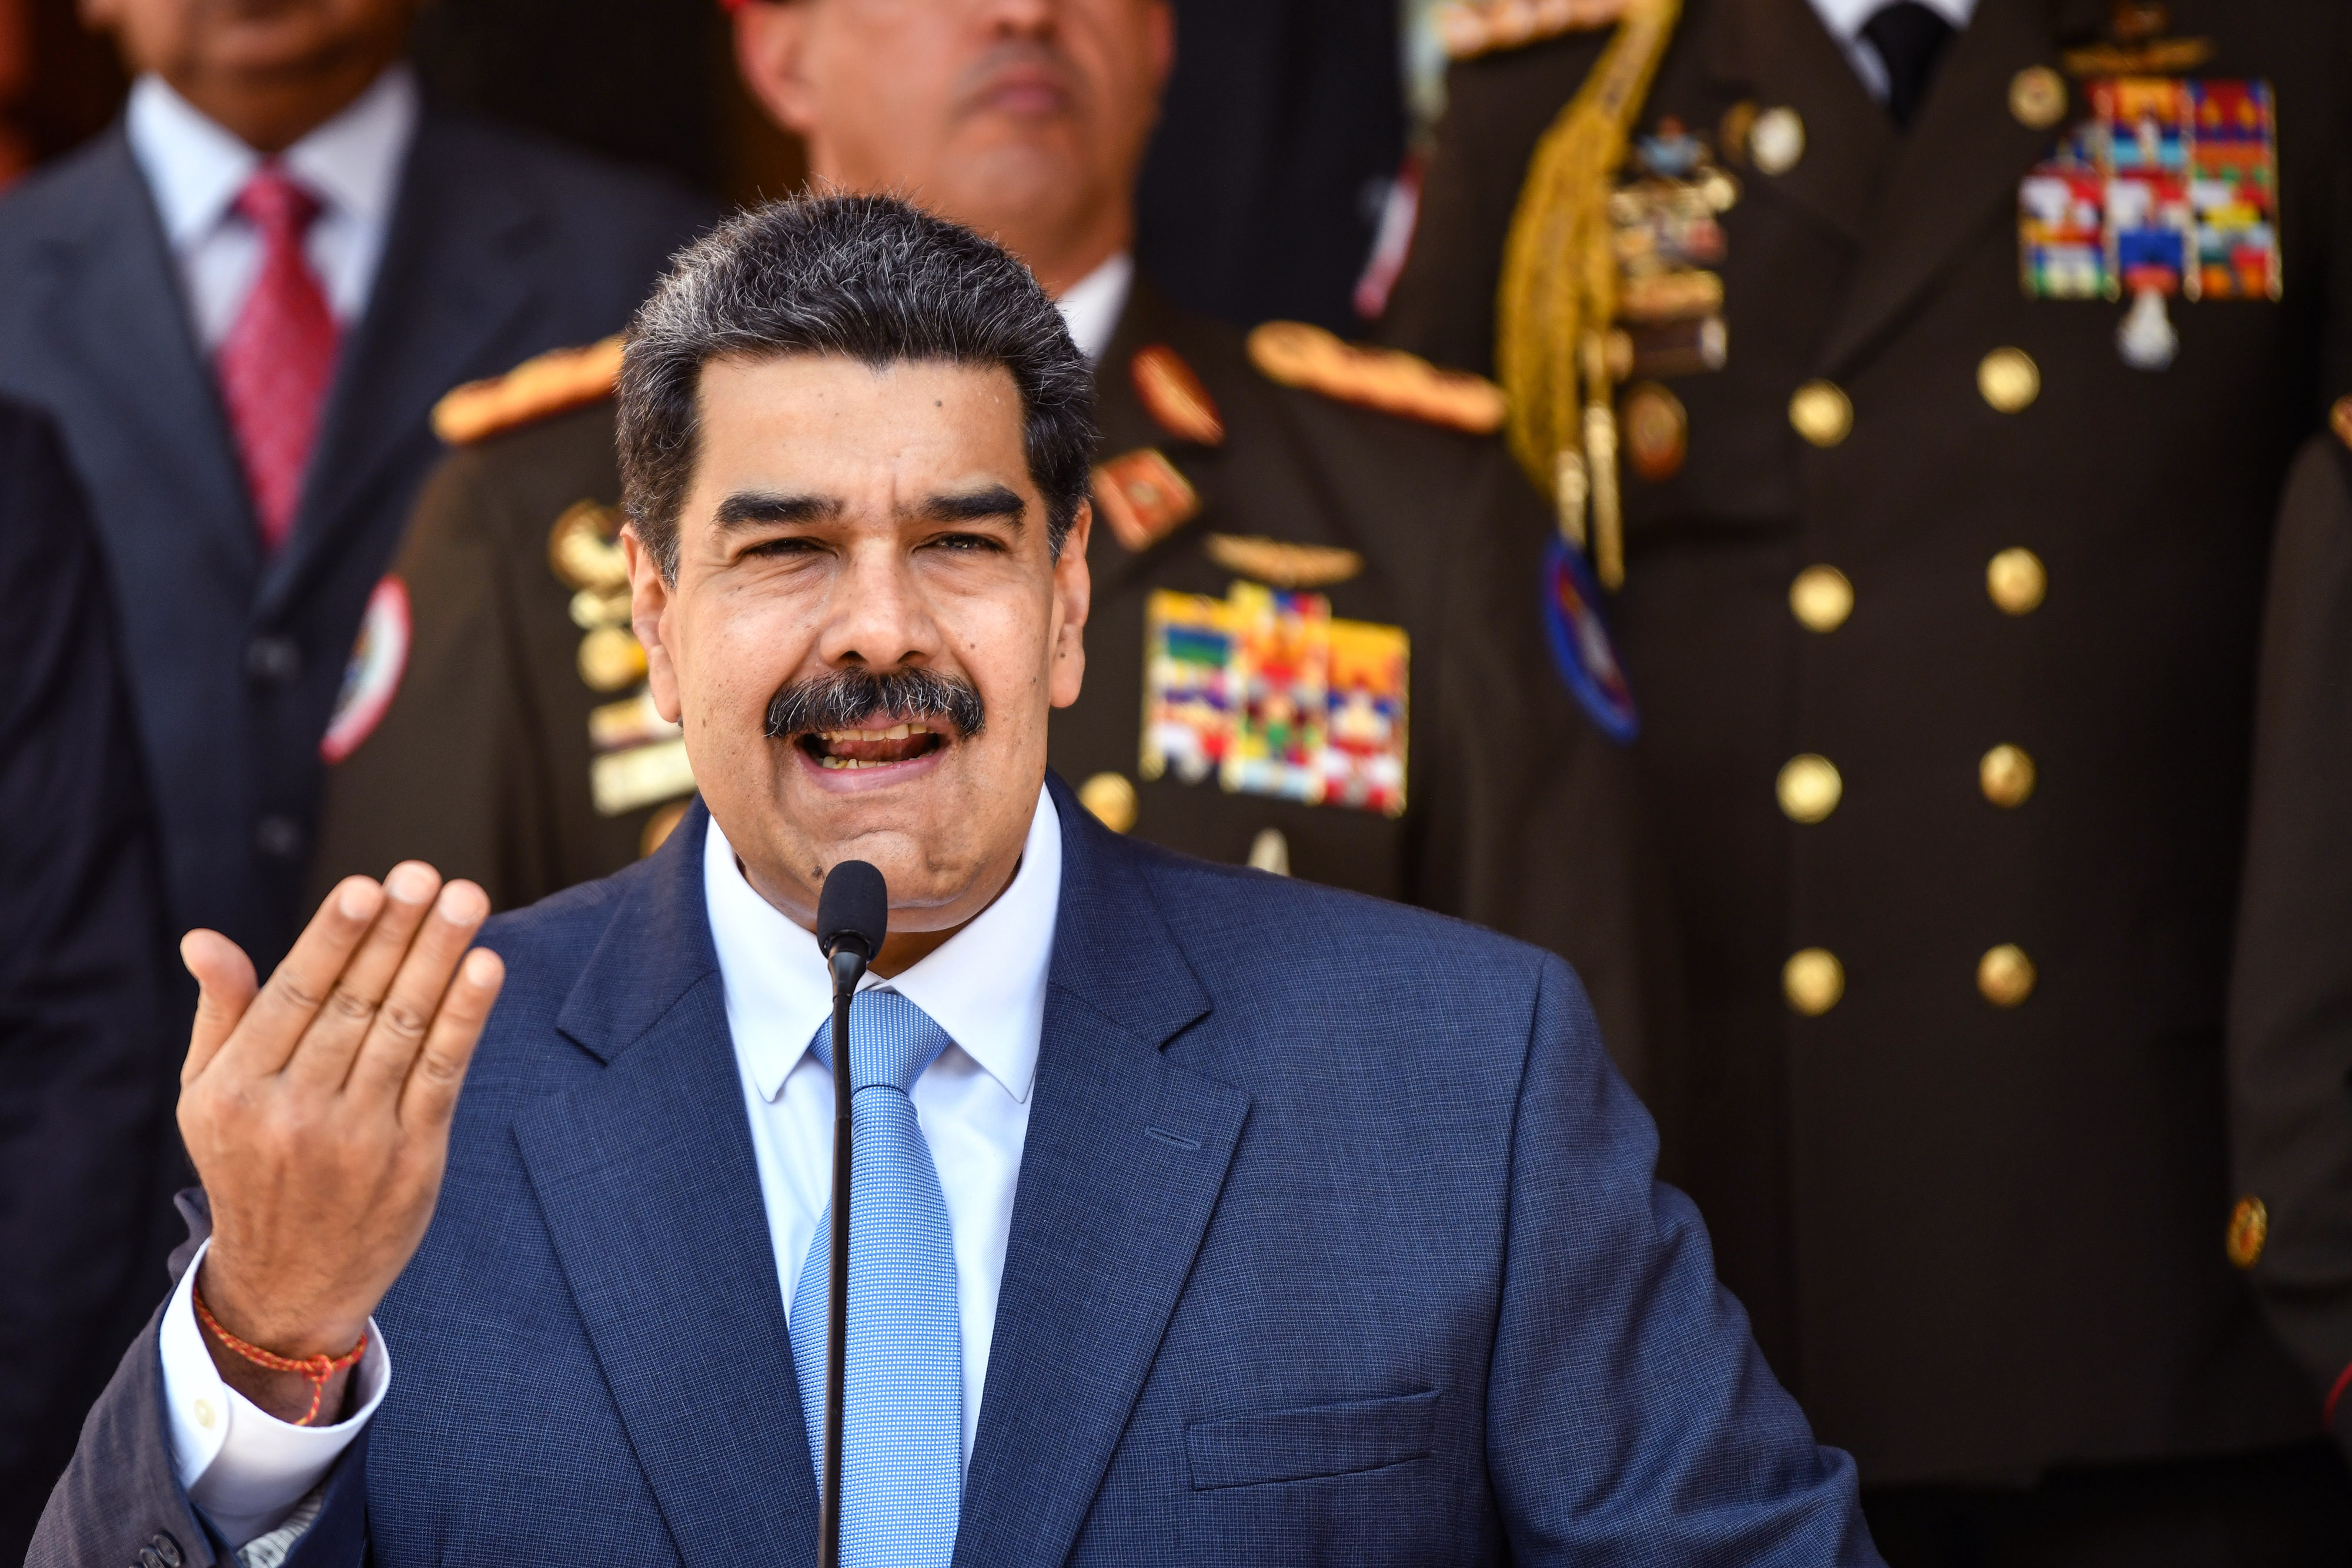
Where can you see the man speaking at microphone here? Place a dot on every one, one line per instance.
(1175, 1239)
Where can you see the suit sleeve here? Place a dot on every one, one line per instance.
(1538, 825)
(1630, 1415)
(2291, 1002)
(87, 1062)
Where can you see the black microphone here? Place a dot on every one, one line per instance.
(853, 915)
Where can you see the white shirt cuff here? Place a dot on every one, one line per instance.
(244, 1467)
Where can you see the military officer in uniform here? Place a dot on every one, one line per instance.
(1315, 643)
(1926, 375)
(2291, 993)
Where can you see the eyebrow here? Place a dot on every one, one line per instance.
(985, 504)
(754, 509)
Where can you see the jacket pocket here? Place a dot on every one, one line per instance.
(1303, 1445)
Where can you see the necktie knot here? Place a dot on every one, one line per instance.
(273, 202)
(1910, 39)
(891, 1041)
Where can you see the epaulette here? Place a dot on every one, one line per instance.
(1475, 27)
(1299, 355)
(544, 384)
(2339, 419)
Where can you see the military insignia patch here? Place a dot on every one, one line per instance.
(1298, 354)
(584, 548)
(1143, 498)
(379, 654)
(1173, 396)
(1282, 563)
(547, 384)
(1581, 645)
(1269, 693)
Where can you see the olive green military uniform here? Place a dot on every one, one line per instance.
(2290, 996)
(1517, 812)
(1944, 625)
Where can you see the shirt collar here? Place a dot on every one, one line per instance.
(196, 167)
(985, 985)
(1844, 19)
(1091, 305)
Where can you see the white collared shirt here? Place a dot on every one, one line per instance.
(985, 985)
(1090, 306)
(1845, 20)
(195, 169)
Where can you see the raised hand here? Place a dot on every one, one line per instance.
(317, 1112)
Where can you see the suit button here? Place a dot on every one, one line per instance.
(1821, 412)
(2037, 98)
(1112, 800)
(1810, 788)
(2006, 775)
(1820, 597)
(2250, 1226)
(2017, 581)
(280, 838)
(151, 1558)
(164, 1547)
(2005, 975)
(2008, 380)
(1812, 981)
(273, 661)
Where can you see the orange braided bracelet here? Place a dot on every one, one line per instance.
(317, 1368)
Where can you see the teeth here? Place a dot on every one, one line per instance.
(896, 732)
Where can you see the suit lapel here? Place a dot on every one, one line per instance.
(1126, 1155)
(458, 270)
(651, 1192)
(1956, 172)
(1777, 53)
(128, 342)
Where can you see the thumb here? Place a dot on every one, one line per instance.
(226, 987)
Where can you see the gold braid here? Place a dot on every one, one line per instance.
(1558, 292)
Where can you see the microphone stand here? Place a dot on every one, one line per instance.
(848, 965)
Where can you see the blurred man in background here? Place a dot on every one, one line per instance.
(1409, 737)
(87, 1055)
(238, 305)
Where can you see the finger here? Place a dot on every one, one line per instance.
(328, 1046)
(402, 1023)
(273, 1026)
(225, 988)
(430, 1097)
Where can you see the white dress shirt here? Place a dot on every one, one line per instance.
(1844, 19)
(195, 169)
(985, 985)
(1090, 306)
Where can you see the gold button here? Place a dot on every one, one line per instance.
(2006, 775)
(1821, 412)
(1810, 788)
(611, 659)
(205, 1414)
(1822, 598)
(2250, 1226)
(2017, 581)
(1112, 800)
(1776, 139)
(1812, 981)
(2005, 975)
(2009, 379)
(2037, 97)
(1270, 851)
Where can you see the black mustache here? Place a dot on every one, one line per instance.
(851, 698)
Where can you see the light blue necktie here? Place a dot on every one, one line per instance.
(902, 1444)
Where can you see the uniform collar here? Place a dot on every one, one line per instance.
(1092, 306)
(985, 985)
(1844, 19)
(196, 167)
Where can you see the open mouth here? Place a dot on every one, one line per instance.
(849, 748)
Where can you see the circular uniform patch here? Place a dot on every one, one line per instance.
(378, 657)
(1581, 645)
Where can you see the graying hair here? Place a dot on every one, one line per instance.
(873, 277)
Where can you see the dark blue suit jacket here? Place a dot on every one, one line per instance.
(501, 246)
(1336, 1240)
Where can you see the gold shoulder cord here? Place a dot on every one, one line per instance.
(1559, 292)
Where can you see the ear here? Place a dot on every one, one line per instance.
(770, 50)
(649, 604)
(1074, 591)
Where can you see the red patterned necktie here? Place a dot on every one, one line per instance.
(277, 361)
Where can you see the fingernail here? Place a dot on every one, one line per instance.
(409, 882)
(357, 900)
(462, 904)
